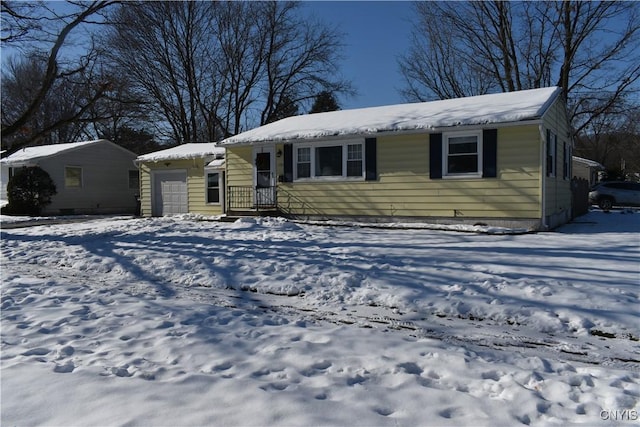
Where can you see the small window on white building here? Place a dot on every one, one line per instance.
(134, 180)
(72, 177)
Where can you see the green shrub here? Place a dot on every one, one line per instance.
(29, 190)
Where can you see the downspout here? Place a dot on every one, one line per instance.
(543, 178)
(138, 197)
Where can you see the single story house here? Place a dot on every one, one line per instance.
(91, 177)
(587, 169)
(501, 159)
(188, 178)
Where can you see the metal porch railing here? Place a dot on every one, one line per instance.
(246, 197)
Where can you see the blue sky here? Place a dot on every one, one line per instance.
(376, 33)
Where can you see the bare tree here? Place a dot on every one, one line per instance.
(61, 115)
(169, 51)
(19, 20)
(38, 21)
(300, 59)
(213, 69)
(240, 46)
(601, 63)
(438, 64)
(613, 139)
(587, 48)
(121, 111)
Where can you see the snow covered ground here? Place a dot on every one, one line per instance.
(173, 321)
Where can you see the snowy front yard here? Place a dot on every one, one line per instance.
(177, 322)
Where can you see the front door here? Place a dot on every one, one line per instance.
(264, 178)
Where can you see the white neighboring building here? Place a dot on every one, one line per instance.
(91, 177)
(587, 169)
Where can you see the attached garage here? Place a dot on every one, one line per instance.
(170, 196)
(186, 179)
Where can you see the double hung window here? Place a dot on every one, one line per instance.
(213, 187)
(329, 160)
(72, 177)
(354, 160)
(463, 155)
(304, 162)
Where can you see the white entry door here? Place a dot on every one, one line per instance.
(170, 193)
(264, 176)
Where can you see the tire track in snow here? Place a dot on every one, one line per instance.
(611, 352)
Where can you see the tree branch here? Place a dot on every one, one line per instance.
(51, 72)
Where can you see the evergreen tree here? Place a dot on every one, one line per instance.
(286, 108)
(324, 101)
(29, 190)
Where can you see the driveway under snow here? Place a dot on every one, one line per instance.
(173, 321)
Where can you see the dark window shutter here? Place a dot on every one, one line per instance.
(490, 153)
(435, 156)
(371, 174)
(288, 163)
(548, 157)
(565, 163)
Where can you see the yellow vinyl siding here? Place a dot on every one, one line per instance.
(404, 188)
(239, 161)
(452, 199)
(197, 189)
(196, 186)
(558, 189)
(145, 189)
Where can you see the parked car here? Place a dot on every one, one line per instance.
(615, 193)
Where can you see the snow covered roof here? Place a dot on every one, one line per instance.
(216, 164)
(30, 154)
(474, 110)
(184, 151)
(587, 162)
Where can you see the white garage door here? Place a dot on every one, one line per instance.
(170, 193)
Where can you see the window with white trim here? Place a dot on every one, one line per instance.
(329, 161)
(462, 155)
(213, 187)
(354, 160)
(72, 177)
(303, 165)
